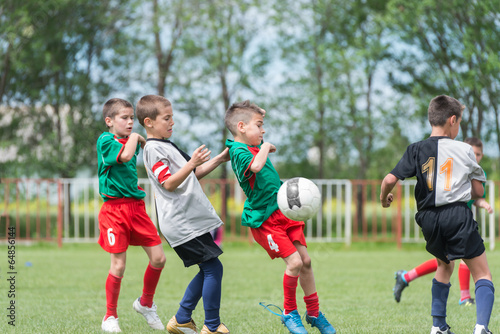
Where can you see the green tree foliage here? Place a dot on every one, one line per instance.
(219, 59)
(54, 71)
(450, 47)
(335, 94)
(346, 83)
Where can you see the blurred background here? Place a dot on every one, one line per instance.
(346, 83)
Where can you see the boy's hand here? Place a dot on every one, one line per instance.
(272, 148)
(481, 203)
(386, 202)
(200, 156)
(141, 140)
(224, 155)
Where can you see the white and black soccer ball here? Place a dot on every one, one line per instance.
(299, 199)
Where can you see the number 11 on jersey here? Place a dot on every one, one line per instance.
(429, 169)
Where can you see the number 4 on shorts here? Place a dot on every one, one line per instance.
(272, 245)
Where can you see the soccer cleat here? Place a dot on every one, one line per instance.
(149, 313)
(174, 327)
(293, 323)
(400, 284)
(321, 323)
(111, 325)
(466, 302)
(437, 330)
(222, 329)
(480, 329)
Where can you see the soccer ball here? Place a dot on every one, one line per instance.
(299, 199)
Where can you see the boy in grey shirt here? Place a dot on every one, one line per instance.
(185, 214)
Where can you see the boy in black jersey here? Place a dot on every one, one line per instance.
(448, 176)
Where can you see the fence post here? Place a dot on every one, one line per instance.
(7, 214)
(491, 217)
(59, 213)
(399, 220)
(348, 212)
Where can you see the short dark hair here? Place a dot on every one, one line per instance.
(240, 112)
(474, 141)
(148, 106)
(443, 107)
(113, 106)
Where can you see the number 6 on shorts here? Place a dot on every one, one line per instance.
(111, 237)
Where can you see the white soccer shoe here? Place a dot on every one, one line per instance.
(480, 329)
(437, 330)
(149, 313)
(111, 325)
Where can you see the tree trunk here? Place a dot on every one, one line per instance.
(6, 68)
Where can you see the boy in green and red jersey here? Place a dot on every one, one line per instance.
(278, 235)
(123, 220)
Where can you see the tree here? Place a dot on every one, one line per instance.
(56, 60)
(337, 50)
(219, 58)
(450, 48)
(173, 18)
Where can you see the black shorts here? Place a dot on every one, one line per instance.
(451, 232)
(198, 250)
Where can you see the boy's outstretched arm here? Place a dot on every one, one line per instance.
(130, 147)
(199, 157)
(388, 184)
(261, 157)
(210, 165)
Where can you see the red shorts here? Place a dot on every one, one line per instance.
(277, 234)
(124, 222)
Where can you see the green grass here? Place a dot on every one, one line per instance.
(63, 290)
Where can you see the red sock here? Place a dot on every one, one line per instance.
(113, 284)
(425, 268)
(151, 278)
(312, 304)
(464, 281)
(290, 290)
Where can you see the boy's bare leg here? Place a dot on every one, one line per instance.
(478, 267)
(444, 271)
(306, 273)
(313, 317)
(156, 255)
(293, 264)
(118, 261)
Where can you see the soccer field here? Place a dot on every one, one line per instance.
(62, 291)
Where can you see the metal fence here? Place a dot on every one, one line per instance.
(66, 210)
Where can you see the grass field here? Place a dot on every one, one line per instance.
(63, 290)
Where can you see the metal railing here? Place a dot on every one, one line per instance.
(66, 210)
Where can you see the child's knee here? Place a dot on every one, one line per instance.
(159, 260)
(306, 263)
(117, 268)
(295, 264)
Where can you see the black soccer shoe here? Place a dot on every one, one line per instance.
(400, 284)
